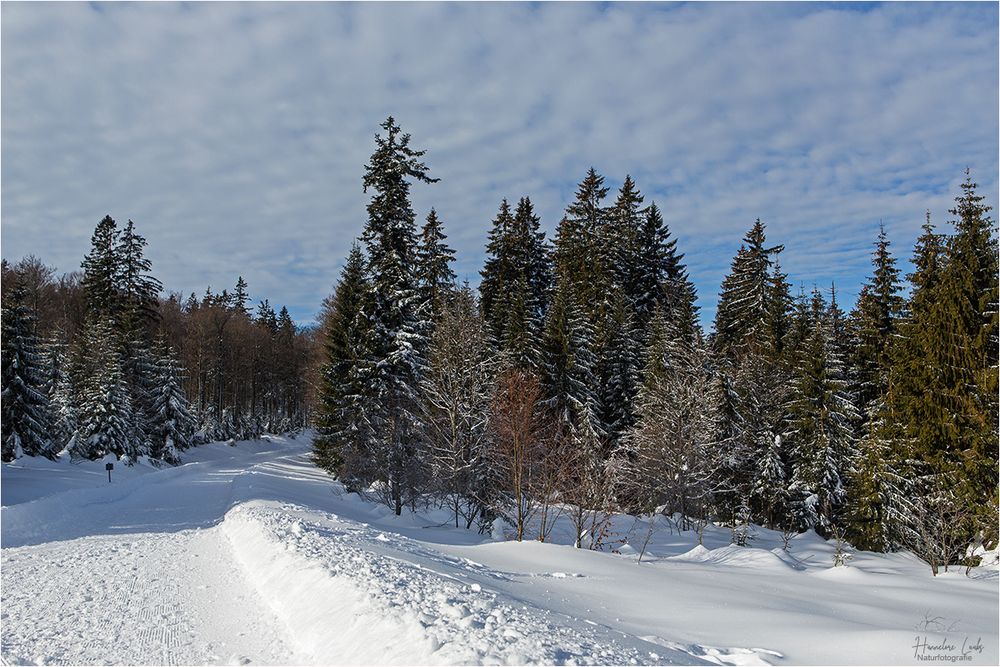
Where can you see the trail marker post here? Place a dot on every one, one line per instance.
(109, 467)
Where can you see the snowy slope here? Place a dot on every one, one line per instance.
(249, 554)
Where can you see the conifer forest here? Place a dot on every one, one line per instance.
(575, 380)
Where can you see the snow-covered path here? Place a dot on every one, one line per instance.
(149, 598)
(136, 573)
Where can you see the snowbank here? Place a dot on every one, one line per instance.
(348, 605)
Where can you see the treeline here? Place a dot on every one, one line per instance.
(96, 362)
(580, 381)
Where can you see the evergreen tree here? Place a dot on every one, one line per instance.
(515, 284)
(568, 366)
(519, 342)
(618, 244)
(779, 307)
(25, 404)
(434, 274)
(875, 321)
(743, 313)
(579, 263)
(60, 390)
(339, 417)
(102, 271)
(756, 380)
(396, 331)
(531, 260)
(943, 390)
(618, 368)
(139, 290)
(822, 426)
(240, 297)
(107, 421)
(498, 271)
(970, 284)
(170, 420)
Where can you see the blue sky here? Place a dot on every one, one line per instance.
(235, 135)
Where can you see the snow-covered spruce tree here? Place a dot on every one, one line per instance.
(877, 500)
(396, 334)
(531, 260)
(102, 271)
(139, 290)
(661, 276)
(26, 428)
(579, 264)
(568, 384)
(498, 271)
(743, 312)
(618, 367)
(434, 275)
(519, 343)
(516, 280)
(822, 424)
(140, 372)
(63, 410)
(106, 419)
(59, 389)
(455, 401)
(619, 243)
(342, 432)
(752, 299)
(170, 421)
(779, 309)
(879, 505)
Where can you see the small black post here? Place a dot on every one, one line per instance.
(109, 467)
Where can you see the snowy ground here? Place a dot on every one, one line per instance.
(249, 555)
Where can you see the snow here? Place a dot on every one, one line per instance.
(250, 555)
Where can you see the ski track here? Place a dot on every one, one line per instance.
(134, 600)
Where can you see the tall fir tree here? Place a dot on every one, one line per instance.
(170, 421)
(60, 390)
(498, 272)
(397, 334)
(531, 259)
(341, 430)
(568, 366)
(822, 423)
(875, 321)
(102, 270)
(106, 421)
(139, 289)
(877, 501)
(26, 425)
(577, 258)
(241, 297)
(743, 311)
(434, 258)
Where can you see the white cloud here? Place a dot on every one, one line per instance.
(235, 134)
